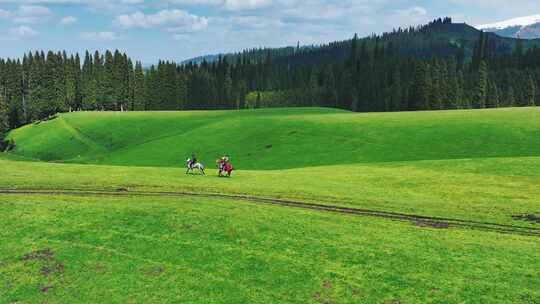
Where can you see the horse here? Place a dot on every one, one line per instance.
(225, 168)
(196, 166)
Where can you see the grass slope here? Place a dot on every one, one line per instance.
(472, 165)
(137, 250)
(280, 138)
(491, 189)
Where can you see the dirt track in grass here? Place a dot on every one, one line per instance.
(417, 220)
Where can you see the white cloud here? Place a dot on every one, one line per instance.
(416, 11)
(23, 31)
(41, 1)
(68, 20)
(97, 6)
(172, 20)
(255, 22)
(196, 2)
(179, 37)
(33, 10)
(31, 14)
(99, 36)
(316, 13)
(4, 14)
(232, 5)
(83, 2)
(246, 4)
(413, 15)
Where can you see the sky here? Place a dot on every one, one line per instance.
(176, 30)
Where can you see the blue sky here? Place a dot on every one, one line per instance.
(149, 30)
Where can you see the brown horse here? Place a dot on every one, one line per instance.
(225, 169)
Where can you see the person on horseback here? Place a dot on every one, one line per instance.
(192, 160)
(223, 161)
(225, 165)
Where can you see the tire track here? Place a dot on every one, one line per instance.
(418, 220)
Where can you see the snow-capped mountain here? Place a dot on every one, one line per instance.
(524, 27)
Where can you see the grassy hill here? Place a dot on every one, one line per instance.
(280, 138)
(83, 231)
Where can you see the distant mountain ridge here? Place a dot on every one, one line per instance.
(527, 27)
(201, 59)
(437, 38)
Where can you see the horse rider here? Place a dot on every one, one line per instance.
(192, 161)
(222, 162)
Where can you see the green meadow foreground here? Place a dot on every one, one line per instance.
(481, 166)
(69, 249)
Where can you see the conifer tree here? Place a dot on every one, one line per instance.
(4, 118)
(480, 94)
(98, 80)
(181, 91)
(109, 84)
(227, 87)
(436, 94)
(530, 93)
(35, 92)
(130, 85)
(462, 101)
(139, 88)
(70, 83)
(421, 88)
(330, 95)
(510, 97)
(493, 99)
(88, 83)
(518, 53)
(152, 89)
(396, 97)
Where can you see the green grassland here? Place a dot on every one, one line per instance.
(136, 250)
(280, 139)
(480, 165)
(491, 189)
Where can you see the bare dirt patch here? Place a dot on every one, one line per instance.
(431, 224)
(42, 255)
(324, 295)
(527, 217)
(100, 268)
(327, 285)
(153, 272)
(320, 298)
(433, 291)
(46, 288)
(51, 268)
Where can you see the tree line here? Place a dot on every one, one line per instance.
(407, 69)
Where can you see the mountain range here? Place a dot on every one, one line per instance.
(523, 27)
(435, 39)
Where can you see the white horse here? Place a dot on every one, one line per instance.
(196, 166)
